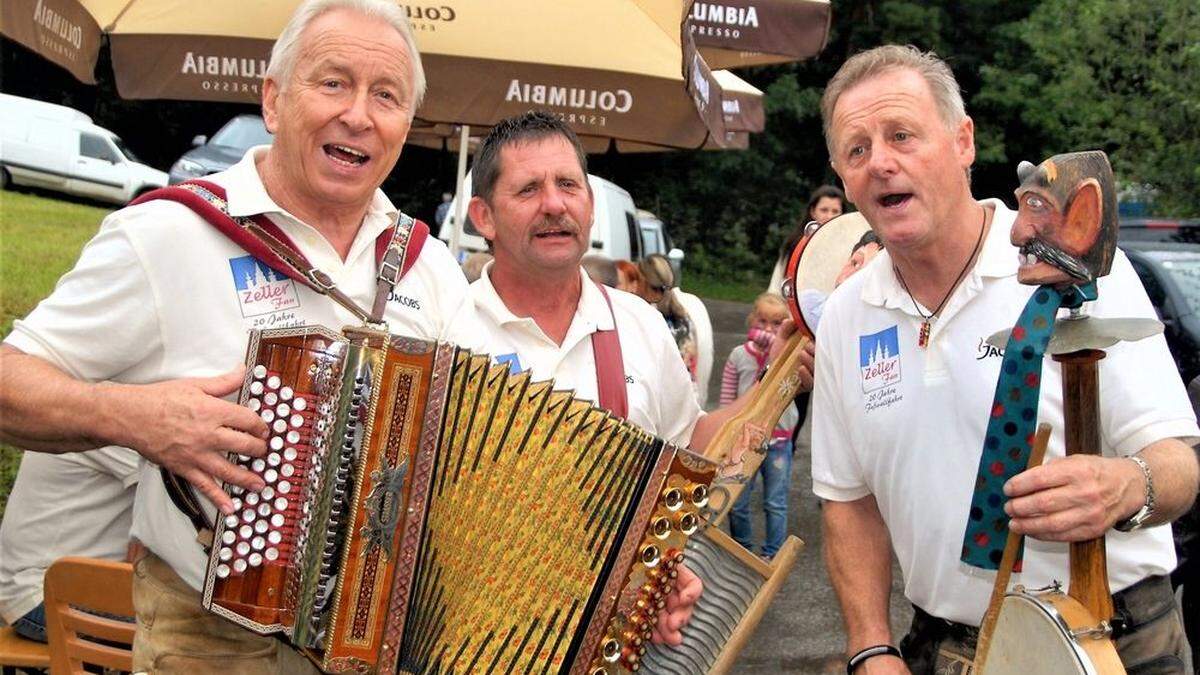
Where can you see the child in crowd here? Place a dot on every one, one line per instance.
(741, 371)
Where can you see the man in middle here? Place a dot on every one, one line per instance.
(535, 308)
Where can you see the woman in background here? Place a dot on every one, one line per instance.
(826, 203)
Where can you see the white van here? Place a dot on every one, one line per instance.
(57, 148)
(616, 231)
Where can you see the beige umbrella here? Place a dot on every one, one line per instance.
(612, 69)
(740, 33)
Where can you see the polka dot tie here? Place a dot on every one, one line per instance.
(1012, 422)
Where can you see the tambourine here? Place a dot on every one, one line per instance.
(814, 264)
(1047, 631)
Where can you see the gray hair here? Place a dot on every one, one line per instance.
(534, 125)
(865, 65)
(286, 50)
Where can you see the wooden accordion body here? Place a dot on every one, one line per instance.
(428, 511)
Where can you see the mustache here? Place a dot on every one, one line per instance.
(1051, 255)
(556, 224)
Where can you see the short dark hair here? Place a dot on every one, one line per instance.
(869, 237)
(531, 126)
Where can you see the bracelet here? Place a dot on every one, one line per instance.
(878, 650)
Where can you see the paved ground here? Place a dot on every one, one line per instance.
(802, 631)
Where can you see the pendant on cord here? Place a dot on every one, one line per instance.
(923, 336)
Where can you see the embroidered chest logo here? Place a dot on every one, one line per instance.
(261, 289)
(879, 359)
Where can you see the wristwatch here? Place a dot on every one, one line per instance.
(1138, 520)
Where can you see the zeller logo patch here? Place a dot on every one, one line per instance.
(261, 289)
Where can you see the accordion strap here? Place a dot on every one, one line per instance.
(396, 250)
(610, 367)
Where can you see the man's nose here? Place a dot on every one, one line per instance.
(356, 114)
(553, 200)
(882, 160)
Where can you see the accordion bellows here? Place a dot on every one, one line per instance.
(427, 511)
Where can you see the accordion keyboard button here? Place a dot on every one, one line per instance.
(222, 570)
(243, 547)
(284, 487)
(228, 537)
(276, 442)
(267, 415)
(248, 516)
(260, 371)
(258, 543)
(231, 520)
(268, 492)
(290, 454)
(274, 458)
(287, 470)
(225, 554)
(256, 388)
(271, 475)
(239, 565)
(252, 498)
(280, 503)
(254, 404)
(258, 465)
(261, 526)
(270, 398)
(297, 421)
(273, 382)
(245, 532)
(285, 393)
(264, 509)
(280, 425)
(283, 410)
(271, 554)
(255, 559)
(274, 537)
(299, 404)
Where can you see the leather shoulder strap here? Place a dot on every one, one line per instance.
(610, 367)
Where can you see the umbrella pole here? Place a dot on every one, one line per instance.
(460, 205)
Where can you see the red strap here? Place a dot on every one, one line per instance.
(226, 224)
(610, 368)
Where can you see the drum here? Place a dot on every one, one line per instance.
(1048, 632)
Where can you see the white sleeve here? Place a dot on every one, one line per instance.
(1143, 399)
(678, 409)
(836, 472)
(102, 317)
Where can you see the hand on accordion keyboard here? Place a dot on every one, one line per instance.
(678, 612)
(185, 426)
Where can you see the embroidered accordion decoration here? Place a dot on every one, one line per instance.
(427, 511)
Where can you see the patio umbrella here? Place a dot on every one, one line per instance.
(614, 69)
(740, 33)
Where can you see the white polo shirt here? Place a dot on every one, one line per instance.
(661, 398)
(907, 424)
(160, 294)
(71, 504)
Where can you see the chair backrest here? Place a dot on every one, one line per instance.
(75, 590)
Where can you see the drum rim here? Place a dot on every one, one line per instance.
(1084, 661)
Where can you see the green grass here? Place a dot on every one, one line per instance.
(708, 285)
(40, 239)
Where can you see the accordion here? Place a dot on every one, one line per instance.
(426, 510)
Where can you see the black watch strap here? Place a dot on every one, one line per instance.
(878, 650)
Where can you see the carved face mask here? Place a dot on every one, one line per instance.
(1066, 224)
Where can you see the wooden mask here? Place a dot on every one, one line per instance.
(1066, 224)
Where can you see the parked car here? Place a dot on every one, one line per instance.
(1170, 272)
(655, 239)
(54, 147)
(617, 231)
(223, 150)
(1160, 229)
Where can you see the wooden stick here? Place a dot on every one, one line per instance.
(1007, 562)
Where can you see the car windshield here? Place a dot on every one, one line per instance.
(243, 133)
(125, 150)
(1184, 268)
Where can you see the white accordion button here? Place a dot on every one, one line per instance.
(237, 503)
(260, 527)
(231, 520)
(271, 475)
(297, 422)
(239, 565)
(255, 559)
(243, 547)
(258, 543)
(264, 509)
(271, 554)
(267, 415)
(299, 404)
(268, 492)
(280, 503)
(260, 371)
(270, 398)
(287, 470)
(290, 454)
(273, 382)
(283, 410)
(254, 404)
(225, 554)
(246, 532)
(256, 388)
(285, 393)
(276, 442)
(222, 570)
(273, 536)
(248, 515)
(228, 537)
(274, 458)
(284, 487)
(258, 465)
(280, 425)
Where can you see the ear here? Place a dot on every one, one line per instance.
(270, 103)
(481, 215)
(1083, 218)
(964, 142)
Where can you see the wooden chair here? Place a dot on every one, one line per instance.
(17, 652)
(75, 584)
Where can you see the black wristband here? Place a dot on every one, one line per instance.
(878, 650)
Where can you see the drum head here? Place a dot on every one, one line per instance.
(814, 266)
(1031, 637)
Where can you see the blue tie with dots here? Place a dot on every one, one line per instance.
(1012, 421)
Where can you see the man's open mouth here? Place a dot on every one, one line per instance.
(894, 199)
(1036, 250)
(345, 154)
